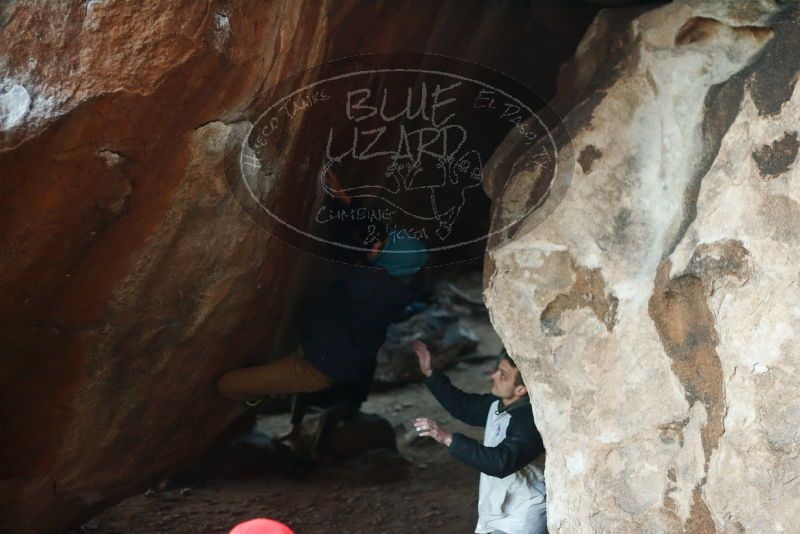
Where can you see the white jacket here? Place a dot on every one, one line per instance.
(515, 504)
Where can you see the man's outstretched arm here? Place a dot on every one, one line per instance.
(471, 408)
(520, 447)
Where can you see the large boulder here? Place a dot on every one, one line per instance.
(130, 278)
(652, 300)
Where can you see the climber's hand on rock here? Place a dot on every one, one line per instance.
(429, 427)
(424, 357)
(336, 187)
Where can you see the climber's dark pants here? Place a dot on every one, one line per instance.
(289, 374)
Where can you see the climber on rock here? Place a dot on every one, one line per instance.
(341, 332)
(511, 495)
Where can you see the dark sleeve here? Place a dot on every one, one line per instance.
(343, 232)
(470, 408)
(355, 231)
(520, 447)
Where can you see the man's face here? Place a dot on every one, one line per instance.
(503, 380)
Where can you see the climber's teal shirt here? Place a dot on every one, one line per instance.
(402, 255)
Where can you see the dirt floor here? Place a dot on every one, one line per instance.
(439, 494)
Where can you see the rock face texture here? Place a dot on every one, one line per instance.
(652, 300)
(130, 278)
(440, 327)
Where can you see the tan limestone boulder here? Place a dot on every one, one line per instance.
(652, 301)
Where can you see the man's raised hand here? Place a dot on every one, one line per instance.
(424, 357)
(336, 187)
(429, 427)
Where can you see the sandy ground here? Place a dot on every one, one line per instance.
(438, 496)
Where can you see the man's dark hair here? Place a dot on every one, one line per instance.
(518, 380)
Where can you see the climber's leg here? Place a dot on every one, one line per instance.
(299, 409)
(289, 374)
